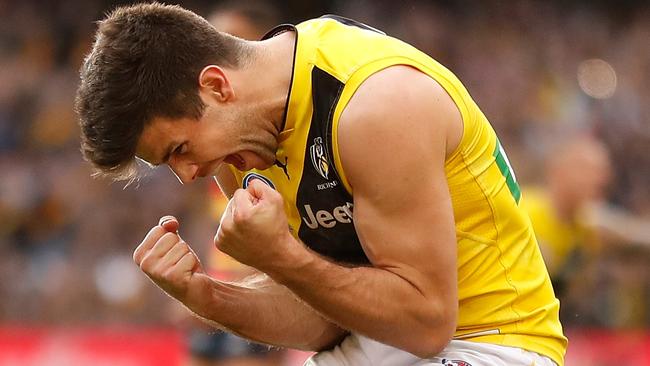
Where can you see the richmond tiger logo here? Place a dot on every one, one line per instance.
(318, 157)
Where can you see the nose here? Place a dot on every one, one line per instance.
(184, 172)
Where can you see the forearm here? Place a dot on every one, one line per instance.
(375, 302)
(263, 311)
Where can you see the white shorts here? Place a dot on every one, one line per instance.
(357, 350)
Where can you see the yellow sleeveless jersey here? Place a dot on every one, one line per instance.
(505, 295)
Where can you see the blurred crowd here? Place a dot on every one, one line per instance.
(565, 86)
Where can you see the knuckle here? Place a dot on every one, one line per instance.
(147, 264)
(227, 228)
(137, 256)
(218, 239)
(276, 196)
(183, 247)
(239, 218)
(168, 237)
(169, 275)
(158, 230)
(154, 235)
(220, 242)
(189, 260)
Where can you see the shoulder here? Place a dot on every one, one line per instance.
(403, 99)
(395, 134)
(399, 113)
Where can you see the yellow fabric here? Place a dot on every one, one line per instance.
(505, 295)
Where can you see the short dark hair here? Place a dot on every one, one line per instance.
(145, 63)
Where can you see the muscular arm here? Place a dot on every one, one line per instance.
(261, 310)
(393, 137)
(258, 308)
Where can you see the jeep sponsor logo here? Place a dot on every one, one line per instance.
(340, 214)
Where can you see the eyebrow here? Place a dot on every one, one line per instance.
(165, 158)
(168, 154)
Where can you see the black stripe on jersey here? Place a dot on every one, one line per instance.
(322, 201)
(278, 29)
(352, 22)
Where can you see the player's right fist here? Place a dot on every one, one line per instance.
(168, 260)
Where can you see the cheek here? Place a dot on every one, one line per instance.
(205, 148)
(205, 154)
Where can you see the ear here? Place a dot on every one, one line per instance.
(214, 82)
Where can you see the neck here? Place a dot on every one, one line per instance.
(267, 79)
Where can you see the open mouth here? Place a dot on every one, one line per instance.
(236, 160)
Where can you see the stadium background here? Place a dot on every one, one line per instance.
(545, 73)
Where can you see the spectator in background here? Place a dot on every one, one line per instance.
(577, 175)
(592, 250)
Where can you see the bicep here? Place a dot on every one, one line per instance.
(393, 146)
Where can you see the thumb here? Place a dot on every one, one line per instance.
(258, 190)
(169, 223)
(242, 202)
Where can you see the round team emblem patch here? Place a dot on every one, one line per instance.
(250, 176)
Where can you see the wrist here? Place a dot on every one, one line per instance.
(200, 297)
(220, 304)
(294, 263)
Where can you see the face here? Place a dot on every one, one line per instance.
(225, 134)
(584, 172)
(590, 177)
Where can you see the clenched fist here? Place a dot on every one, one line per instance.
(169, 261)
(254, 229)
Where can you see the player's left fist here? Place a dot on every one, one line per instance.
(254, 229)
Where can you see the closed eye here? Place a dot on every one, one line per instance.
(180, 149)
(173, 151)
